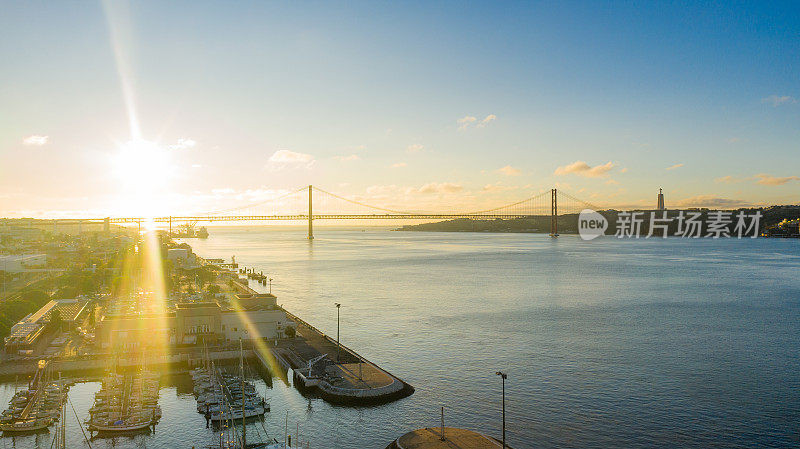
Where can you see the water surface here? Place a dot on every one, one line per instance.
(608, 343)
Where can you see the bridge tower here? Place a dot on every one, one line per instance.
(310, 212)
(553, 212)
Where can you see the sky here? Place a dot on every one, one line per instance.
(155, 107)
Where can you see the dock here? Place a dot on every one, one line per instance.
(339, 376)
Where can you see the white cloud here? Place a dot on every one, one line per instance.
(769, 180)
(464, 122)
(581, 168)
(183, 144)
(612, 182)
(35, 140)
(290, 159)
(440, 187)
(489, 118)
(509, 171)
(727, 180)
(351, 157)
(415, 148)
(496, 188)
(776, 100)
(673, 167)
(712, 201)
(734, 140)
(197, 166)
(399, 165)
(381, 190)
(468, 121)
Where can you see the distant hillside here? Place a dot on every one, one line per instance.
(568, 223)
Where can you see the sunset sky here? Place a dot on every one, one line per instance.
(111, 109)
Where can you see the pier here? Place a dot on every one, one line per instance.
(335, 372)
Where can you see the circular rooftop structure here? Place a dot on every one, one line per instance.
(454, 438)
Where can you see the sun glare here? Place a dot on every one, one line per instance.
(143, 170)
(141, 165)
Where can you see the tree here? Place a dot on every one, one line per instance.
(67, 292)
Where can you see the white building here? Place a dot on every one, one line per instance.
(253, 324)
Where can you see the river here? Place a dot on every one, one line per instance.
(606, 343)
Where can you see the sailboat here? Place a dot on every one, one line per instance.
(37, 407)
(229, 437)
(126, 403)
(60, 437)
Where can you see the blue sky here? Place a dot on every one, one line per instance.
(399, 103)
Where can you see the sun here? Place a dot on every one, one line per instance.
(143, 170)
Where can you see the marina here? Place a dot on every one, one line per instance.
(37, 407)
(222, 396)
(125, 403)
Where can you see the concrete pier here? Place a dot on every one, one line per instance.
(350, 380)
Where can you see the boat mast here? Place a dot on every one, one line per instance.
(241, 373)
(62, 430)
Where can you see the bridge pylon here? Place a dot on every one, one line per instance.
(553, 212)
(310, 212)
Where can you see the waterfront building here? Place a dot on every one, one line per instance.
(29, 332)
(132, 332)
(197, 322)
(254, 316)
(248, 316)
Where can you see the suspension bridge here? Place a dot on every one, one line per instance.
(310, 203)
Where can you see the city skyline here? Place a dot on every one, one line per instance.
(183, 107)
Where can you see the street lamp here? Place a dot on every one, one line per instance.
(338, 306)
(270, 286)
(504, 376)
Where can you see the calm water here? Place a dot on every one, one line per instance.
(608, 343)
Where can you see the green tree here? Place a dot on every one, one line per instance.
(67, 292)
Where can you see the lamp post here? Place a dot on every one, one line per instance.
(270, 286)
(504, 376)
(338, 306)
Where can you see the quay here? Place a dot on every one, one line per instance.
(337, 373)
(208, 310)
(319, 365)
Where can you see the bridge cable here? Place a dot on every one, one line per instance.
(257, 204)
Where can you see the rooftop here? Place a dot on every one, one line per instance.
(430, 438)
